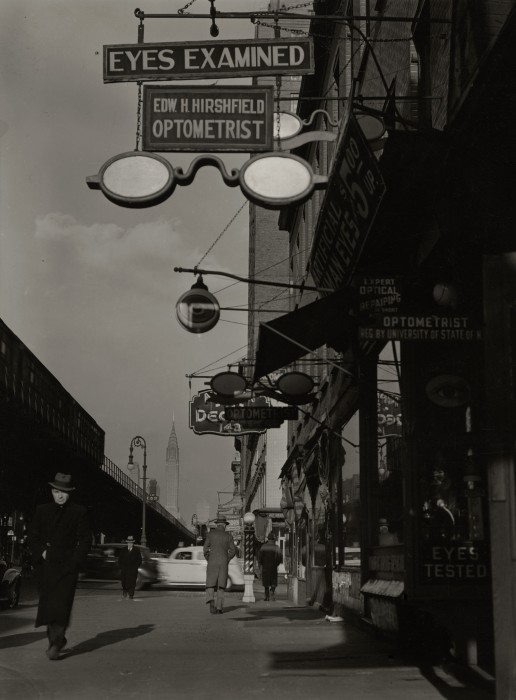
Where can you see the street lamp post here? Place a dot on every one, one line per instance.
(195, 523)
(138, 441)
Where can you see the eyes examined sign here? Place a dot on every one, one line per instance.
(207, 118)
(206, 59)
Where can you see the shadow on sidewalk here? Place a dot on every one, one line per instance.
(362, 649)
(273, 613)
(104, 639)
(21, 640)
(475, 687)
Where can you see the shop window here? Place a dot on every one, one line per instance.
(339, 519)
(320, 528)
(390, 501)
(452, 519)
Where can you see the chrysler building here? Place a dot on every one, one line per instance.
(172, 473)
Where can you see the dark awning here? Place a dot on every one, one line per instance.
(287, 338)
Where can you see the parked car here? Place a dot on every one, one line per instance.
(186, 567)
(102, 564)
(10, 584)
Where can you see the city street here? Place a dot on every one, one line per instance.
(165, 644)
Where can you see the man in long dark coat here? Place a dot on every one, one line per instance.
(269, 558)
(218, 549)
(60, 537)
(130, 560)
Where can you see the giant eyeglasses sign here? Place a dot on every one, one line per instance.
(271, 180)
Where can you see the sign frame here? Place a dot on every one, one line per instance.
(187, 60)
(206, 119)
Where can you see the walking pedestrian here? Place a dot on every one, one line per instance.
(269, 558)
(130, 560)
(59, 538)
(218, 549)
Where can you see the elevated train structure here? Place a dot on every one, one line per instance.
(43, 430)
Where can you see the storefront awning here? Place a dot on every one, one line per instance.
(287, 338)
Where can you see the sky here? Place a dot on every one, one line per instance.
(89, 286)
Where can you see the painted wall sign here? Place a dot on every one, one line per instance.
(208, 118)
(388, 416)
(387, 311)
(208, 416)
(207, 59)
(348, 210)
(453, 562)
(423, 327)
(378, 295)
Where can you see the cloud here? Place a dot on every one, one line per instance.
(140, 257)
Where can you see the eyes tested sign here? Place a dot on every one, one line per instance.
(207, 118)
(195, 60)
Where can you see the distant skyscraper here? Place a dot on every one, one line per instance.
(172, 473)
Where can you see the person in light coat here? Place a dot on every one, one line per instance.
(219, 549)
(60, 537)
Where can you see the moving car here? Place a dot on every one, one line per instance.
(186, 567)
(10, 583)
(102, 565)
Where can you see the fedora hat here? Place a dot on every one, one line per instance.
(221, 519)
(62, 482)
(130, 539)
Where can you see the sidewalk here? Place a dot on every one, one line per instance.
(166, 644)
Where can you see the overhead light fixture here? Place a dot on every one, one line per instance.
(197, 310)
(374, 130)
(445, 294)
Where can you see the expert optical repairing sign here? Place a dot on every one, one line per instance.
(209, 118)
(205, 59)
